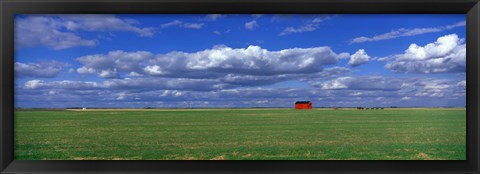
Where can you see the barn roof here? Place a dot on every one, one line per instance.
(303, 102)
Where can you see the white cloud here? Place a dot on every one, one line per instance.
(109, 73)
(108, 66)
(39, 30)
(336, 84)
(321, 19)
(437, 88)
(153, 70)
(193, 25)
(59, 31)
(360, 57)
(134, 74)
(462, 84)
(121, 96)
(395, 89)
(252, 60)
(32, 84)
(343, 55)
(363, 83)
(403, 32)
(171, 24)
(221, 32)
(172, 93)
(144, 84)
(384, 59)
(447, 54)
(220, 67)
(178, 23)
(311, 26)
(43, 69)
(301, 29)
(251, 25)
(104, 23)
(85, 70)
(254, 80)
(251, 66)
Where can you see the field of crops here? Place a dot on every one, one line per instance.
(241, 134)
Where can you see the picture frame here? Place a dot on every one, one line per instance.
(9, 8)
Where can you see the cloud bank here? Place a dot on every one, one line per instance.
(210, 63)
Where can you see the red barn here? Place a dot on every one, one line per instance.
(303, 105)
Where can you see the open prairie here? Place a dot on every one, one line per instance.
(241, 134)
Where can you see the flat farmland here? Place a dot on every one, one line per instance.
(241, 134)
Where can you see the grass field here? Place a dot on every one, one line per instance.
(241, 134)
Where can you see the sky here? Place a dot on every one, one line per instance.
(245, 60)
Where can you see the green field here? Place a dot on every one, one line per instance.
(241, 134)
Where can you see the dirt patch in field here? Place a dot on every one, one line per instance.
(86, 158)
(235, 153)
(219, 158)
(247, 155)
(186, 158)
(423, 156)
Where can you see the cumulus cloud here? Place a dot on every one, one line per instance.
(111, 64)
(252, 60)
(251, 66)
(178, 23)
(446, 55)
(47, 69)
(59, 31)
(251, 25)
(360, 57)
(404, 32)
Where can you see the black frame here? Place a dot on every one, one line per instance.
(8, 8)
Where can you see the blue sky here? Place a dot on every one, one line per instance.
(239, 60)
